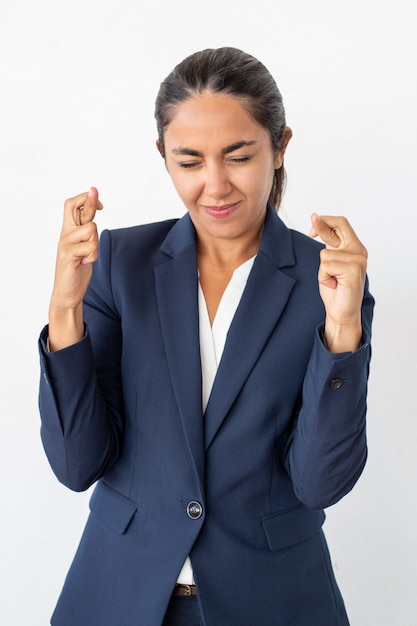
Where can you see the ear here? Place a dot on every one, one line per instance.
(282, 146)
(160, 148)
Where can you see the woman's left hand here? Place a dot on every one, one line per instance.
(341, 279)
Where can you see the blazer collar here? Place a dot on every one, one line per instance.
(276, 241)
(181, 236)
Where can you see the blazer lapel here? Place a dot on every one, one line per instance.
(265, 297)
(176, 282)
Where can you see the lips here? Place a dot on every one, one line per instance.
(220, 212)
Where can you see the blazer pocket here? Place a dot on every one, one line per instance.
(112, 508)
(287, 528)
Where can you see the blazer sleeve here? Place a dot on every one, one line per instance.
(80, 393)
(327, 449)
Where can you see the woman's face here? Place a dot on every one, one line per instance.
(222, 165)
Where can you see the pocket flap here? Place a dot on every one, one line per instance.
(287, 528)
(112, 508)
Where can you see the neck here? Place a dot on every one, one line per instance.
(227, 254)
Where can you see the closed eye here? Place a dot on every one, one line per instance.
(188, 164)
(239, 159)
(231, 159)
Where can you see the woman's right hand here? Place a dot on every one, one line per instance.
(77, 250)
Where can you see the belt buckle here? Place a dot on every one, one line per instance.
(184, 589)
(187, 590)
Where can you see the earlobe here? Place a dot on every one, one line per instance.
(279, 159)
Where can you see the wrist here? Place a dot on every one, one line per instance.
(342, 338)
(66, 327)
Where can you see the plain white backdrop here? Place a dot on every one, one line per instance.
(78, 83)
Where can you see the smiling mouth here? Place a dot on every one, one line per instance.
(221, 211)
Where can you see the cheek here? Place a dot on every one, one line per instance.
(261, 180)
(185, 186)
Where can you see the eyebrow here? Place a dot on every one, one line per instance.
(233, 146)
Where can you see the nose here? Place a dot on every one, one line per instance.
(217, 183)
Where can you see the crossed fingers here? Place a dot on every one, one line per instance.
(336, 233)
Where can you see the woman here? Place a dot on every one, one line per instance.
(203, 377)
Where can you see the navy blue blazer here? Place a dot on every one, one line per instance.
(242, 488)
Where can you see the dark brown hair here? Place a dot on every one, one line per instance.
(228, 71)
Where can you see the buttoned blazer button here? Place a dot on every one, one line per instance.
(336, 383)
(194, 510)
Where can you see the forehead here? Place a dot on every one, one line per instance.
(213, 116)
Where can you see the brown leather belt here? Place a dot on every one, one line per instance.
(184, 590)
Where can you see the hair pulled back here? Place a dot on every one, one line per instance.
(233, 72)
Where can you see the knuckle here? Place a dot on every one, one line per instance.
(90, 229)
(94, 246)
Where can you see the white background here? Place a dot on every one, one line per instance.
(78, 82)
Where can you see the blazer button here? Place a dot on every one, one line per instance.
(336, 383)
(194, 510)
